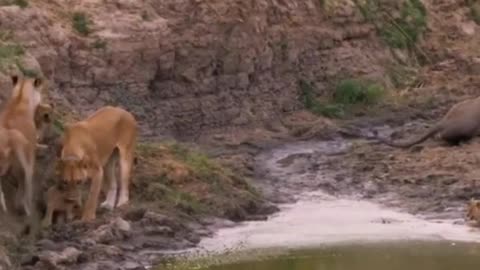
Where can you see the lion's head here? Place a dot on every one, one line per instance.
(33, 86)
(72, 171)
(473, 210)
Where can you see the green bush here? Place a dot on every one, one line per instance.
(81, 23)
(308, 99)
(9, 54)
(347, 92)
(20, 3)
(26, 71)
(399, 32)
(474, 11)
(353, 91)
(99, 44)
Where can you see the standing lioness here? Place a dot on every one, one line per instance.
(88, 149)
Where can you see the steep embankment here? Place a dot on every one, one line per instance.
(188, 68)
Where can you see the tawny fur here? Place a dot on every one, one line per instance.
(90, 149)
(43, 122)
(461, 123)
(473, 210)
(18, 115)
(66, 202)
(12, 146)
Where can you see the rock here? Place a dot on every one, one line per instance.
(47, 244)
(67, 256)
(152, 218)
(116, 230)
(158, 230)
(5, 263)
(107, 251)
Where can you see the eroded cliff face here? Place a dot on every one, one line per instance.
(187, 68)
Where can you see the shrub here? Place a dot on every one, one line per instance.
(81, 23)
(352, 91)
(402, 31)
(474, 11)
(310, 102)
(347, 92)
(9, 54)
(26, 71)
(99, 44)
(20, 3)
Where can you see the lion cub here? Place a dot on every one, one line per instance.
(67, 202)
(43, 122)
(473, 210)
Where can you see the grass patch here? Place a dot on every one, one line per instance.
(58, 125)
(26, 71)
(307, 97)
(9, 54)
(170, 175)
(81, 23)
(6, 36)
(474, 7)
(353, 91)
(401, 31)
(20, 3)
(402, 76)
(347, 93)
(200, 163)
(99, 44)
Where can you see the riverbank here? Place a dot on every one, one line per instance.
(179, 195)
(179, 211)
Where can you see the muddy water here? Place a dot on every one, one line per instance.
(319, 219)
(398, 256)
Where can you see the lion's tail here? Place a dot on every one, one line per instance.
(431, 132)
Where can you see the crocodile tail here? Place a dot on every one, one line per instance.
(431, 132)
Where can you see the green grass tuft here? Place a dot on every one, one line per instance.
(9, 54)
(99, 44)
(347, 93)
(20, 3)
(402, 31)
(26, 71)
(474, 7)
(81, 23)
(200, 163)
(352, 91)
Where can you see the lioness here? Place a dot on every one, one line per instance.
(65, 201)
(17, 118)
(473, 210)
(90, 146)
(460, 123)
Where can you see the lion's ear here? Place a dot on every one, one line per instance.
(14, 79)
(38, 82)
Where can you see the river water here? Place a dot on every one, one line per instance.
(391, 256)
(321, 231)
